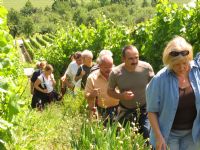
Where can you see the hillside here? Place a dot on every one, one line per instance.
(18, 4)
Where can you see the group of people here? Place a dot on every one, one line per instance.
(168, 102)
(42, 86)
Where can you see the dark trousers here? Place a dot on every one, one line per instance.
(108, 114)
(137, 116)
(40, 99)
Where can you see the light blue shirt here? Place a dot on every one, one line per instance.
(162, 96)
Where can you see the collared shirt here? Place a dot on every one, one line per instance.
(162, 97)
(97, 80)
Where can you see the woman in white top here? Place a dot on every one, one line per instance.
(44, 85)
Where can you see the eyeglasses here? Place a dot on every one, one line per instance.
(175, 53)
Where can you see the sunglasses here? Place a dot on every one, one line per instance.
(182, 53)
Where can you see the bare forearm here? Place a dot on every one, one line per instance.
(154, 124)
(77, 78)
(114, 94)
(90, 100)
(36, 86)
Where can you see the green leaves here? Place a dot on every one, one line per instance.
(9, 72)
(170, 20)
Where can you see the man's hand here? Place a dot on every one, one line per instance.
(127, 95)
(63, 78)
(94, 113)
(82, 73)
(95, 93)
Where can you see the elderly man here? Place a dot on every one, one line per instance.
(84, 70)
(131, 78)
(96, 90)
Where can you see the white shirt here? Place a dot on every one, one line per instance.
(71, 72)
(47, 81)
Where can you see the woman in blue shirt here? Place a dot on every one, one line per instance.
(173, 100)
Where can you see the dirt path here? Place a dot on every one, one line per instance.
(25, 55)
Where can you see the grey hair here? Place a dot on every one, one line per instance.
(103, 53)
(87, 53)
(104, 58)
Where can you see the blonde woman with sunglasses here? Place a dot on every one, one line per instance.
(173, 100)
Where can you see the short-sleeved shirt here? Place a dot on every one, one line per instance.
(97, 80)
(135, 81)
(163, 97)
(47, 82)
(71, 72)
(87, 72)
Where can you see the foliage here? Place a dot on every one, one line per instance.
(150, 37)
(28, 9)
(62, 125)
(28, 48)
(41, 41)
(14, 22)
(27, 26)
(46, 38)
(9, 74)
(170, 20)
(35, 44)
(38, 128)
(78, 12)
(50, 128)
(94, 135)
(106, 35)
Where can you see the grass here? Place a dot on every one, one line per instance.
(48, 129)
(65, 126)
(18, 4)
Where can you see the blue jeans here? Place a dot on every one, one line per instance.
(182, 140)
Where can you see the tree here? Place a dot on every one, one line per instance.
(153, 3)
(27, 27)
(13, 22)
(28, 9)
(145, 3)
